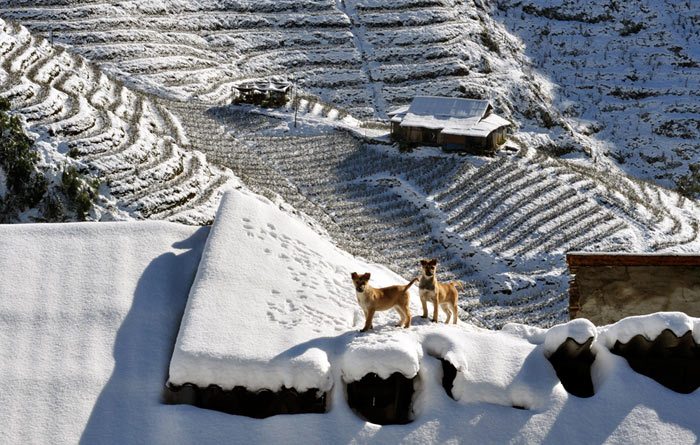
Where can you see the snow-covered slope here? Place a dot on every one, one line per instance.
(89, 357)
(500, 224)
(627, 74)
(126, 138)
(616, 80)
(365, 56)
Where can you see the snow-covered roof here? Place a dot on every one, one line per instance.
(264, 267)
(399, 110)
(262, 85)
(89, 312)
(442, 112)
(454, 116)
(480, 129)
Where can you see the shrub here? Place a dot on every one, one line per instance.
(28, 187)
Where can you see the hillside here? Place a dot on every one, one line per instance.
(626, 75)
(151, 101)
(500, 224)
(363, 56)
(81, 116)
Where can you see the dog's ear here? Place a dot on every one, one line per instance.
(354, 275)
(423, 262)
(433, 262)
(366, 276)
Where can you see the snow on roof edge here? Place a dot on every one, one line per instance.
(650, 326)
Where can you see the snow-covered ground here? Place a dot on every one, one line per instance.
(90, 313)
(625, 76)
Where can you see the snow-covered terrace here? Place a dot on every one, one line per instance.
(90, 313)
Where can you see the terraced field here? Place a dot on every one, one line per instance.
(628, 76)
(363, 56)
(125, 138)
(501, 225)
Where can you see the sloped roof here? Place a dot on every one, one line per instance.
(399, 111)
(481, 128)
(262, 85)
(443, 112)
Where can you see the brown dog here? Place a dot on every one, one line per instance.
(382, 299)
(440, 294)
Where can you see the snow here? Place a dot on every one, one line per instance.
(383, 352)
(579, 330)
(310, 298)
(88, 317)
(481, 128)
(90, 313)
(650, 326)
(444, 112)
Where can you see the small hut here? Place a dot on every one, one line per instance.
(455, 124)
(262, 93)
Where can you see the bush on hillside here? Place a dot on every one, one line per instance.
(27, 187)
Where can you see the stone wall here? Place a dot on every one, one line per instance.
(607, 288)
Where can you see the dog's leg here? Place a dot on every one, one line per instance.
(368, 321)
(407, 309)
(435, 308)
(425, 306)
(448, 311)
(454, 312)
(402, 315)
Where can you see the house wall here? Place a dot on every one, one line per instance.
(446, 139)
(414, 135)
(451, 142)
(605, 294)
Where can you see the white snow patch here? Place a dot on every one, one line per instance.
(650, 326)
(383, 353)
(494, 367)
(264, 267)
(579, 330)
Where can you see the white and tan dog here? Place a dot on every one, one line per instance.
(443, 295)
(382, 299)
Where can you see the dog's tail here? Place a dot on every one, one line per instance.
(408, 286)
(457, 284)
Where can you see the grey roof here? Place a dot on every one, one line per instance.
(263, 85)
(451, 115)
(453, 107)
(481, 128)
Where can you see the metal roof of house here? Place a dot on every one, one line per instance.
(480, 129)
(444, 112)
(262, 85)
(451, 115)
